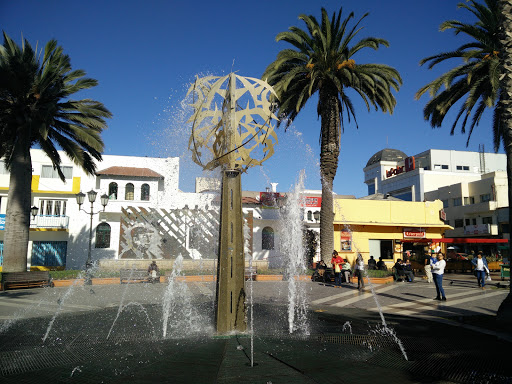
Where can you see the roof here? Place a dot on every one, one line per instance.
(129, 171)
(387, 154)
(250, 200)
(380, 196)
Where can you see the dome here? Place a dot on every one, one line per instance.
(387, 154)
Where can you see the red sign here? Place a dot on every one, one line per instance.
(410, 165)
(313, 201)
(415, 233)
(442, 215)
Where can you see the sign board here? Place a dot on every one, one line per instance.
(479, 229)
(269, 199)
(346, 238)
(415, 233)
(313, 202)
(442, 215)
(2, 222)
(410, 165)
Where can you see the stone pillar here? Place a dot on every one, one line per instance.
(230, 301)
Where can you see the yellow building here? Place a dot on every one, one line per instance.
(385, 228)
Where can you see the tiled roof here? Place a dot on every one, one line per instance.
(129, 171)
(387, 154)
(250, 200)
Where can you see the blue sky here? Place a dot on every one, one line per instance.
(145, 54)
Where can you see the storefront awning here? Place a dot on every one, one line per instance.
(457, 240)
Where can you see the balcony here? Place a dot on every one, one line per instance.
(48, 221)
(481, 229)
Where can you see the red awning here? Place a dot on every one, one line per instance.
(458, 240)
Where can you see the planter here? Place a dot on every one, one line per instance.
(494, 265)
(68, 283)
(195, 278)
(269, 277)
(375, 280)
(105, 281)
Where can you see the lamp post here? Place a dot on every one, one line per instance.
(316, 216)
(91, 196)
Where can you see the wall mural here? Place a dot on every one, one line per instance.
(149, 233)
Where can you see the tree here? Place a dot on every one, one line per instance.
(322, 60)
(505, 110)
(476, 79)
(35, 110)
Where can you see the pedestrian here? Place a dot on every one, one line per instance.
(346, 271)
(359, 272)
(381, 265)
(372, 264)
(437, 272)
(428, 267)
(481, 268)
(336, 262)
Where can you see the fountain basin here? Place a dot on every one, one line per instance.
(375, 280)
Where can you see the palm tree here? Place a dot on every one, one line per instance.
(476, 80)
(322, 60)
(505, 110)
(35, 110)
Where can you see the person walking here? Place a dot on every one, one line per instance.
(437, 272)
(428, 268)
(336, 262)
(481, 268)
(359, 272)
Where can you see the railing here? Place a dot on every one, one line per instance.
(48, 221)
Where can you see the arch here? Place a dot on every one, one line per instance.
(144, 192)
(103, 231)
(129, 192)
(267, 238)
(112, 191)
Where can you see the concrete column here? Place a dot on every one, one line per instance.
(230, 303)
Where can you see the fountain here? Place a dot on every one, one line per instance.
(172, 332)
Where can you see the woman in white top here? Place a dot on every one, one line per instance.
(481, 268)
(437, 273)
(359, 272)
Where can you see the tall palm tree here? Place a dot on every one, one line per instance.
(476, 79)
(505, 109)
(36, 110)
(322, 60)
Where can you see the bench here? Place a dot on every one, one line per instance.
(397, 276)
(26, 279)
(135, 276)
(247, 272)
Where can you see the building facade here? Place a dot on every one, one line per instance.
(146, 217)
(392, 172)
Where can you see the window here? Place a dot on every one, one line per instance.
(267, 238)
(3, 170)
(457, 201)
(440, 166)
(129, 192)
(103, 235)
(467, 221)
(485, 198)
(462, 167)
(371, 189)
(445, 204)
(469, 200)
(49, 253)
(310, 216)
(144, 192)
(112, 191)
(52, 207)
(459, 223)
(487, 220)
(473, 221)
(50, 173)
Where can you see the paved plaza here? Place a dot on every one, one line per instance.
(90, 338)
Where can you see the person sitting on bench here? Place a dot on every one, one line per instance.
(408, 271)
(381, 265)
(399, 268)
(153, 271)
(372, 264)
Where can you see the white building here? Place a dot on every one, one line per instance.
(472, 208)
(147, 216)
(392, 172)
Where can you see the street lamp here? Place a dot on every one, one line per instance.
(316, 215)
(91, 196)
(33, 211)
